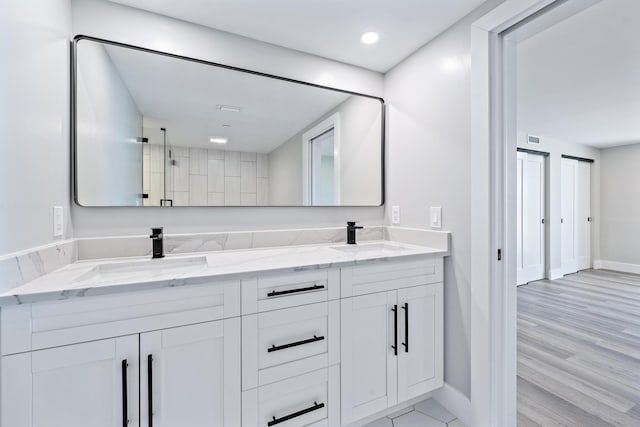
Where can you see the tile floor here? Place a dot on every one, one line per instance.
(427, 413)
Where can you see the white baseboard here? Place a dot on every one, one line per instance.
(555, 274)
(623, 267)
(455, 402)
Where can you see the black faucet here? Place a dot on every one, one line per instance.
(158, 242)
(351, 232)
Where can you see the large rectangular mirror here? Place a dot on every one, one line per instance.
(154, 129)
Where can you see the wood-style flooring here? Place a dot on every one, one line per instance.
(579, 351)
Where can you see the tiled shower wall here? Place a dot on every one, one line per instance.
(206, 177)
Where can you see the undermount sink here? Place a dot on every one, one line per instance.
(362, 248)
(114, 271)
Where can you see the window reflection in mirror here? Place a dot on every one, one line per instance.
(159, 130)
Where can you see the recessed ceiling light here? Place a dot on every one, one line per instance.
(370, 37)
(229, 108)
(218, 139)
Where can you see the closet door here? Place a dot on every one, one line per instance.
(531, 211)
(568, 211)
(583, 215)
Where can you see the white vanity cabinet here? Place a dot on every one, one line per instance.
(319, 347)
(59, 369)
(391, 339)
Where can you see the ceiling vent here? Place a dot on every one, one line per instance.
(532, 139)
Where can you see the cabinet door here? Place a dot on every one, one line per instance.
(90, 384)
(368, 363)
(420, 357)
(193, 373)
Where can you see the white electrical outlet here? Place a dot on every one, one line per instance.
(395, 215)
(436, 217)
(58, 221)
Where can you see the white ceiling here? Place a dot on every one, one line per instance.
(579, 80)
(328, 28)
(183, 96)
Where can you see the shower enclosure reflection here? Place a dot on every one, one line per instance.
(153, 129)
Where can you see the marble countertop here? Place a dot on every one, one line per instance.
(110, 276)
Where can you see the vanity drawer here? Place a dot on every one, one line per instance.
(311, 399)
(283, 343)
(273, 292)
(384, 276)
(51, 324)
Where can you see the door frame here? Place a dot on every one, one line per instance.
(493, 210)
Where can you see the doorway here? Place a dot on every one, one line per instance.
(494, 201)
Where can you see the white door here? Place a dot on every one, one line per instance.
(420, 357)
(193, 373)
(368, 362)
(91, 384)
(530, 222)
(583, 215)
(568, 216)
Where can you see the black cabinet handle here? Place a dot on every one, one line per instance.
(405, 307)
(315, 407)
(150, 389)
(125, 400)
(395, 329)
(293, 291)
(294, 344)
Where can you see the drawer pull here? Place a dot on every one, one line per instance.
(295, 344)
(293, 291)
(315, 407)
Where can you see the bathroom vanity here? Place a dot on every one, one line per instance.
(321, 335)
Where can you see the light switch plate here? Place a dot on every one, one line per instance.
(395, 215)
(436, 217)
(58, 221)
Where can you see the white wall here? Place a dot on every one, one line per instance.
(109, 123)
(620, 208)
(360, 124)
(111, 21)
(360, 151)
(34, 118)
(285, 173)
(428, 159)
(556, 148)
